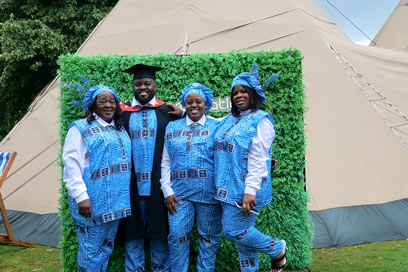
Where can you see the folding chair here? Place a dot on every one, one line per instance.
(6, 160)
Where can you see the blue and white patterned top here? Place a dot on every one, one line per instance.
(188, 160)
(106, 175)
(231, 144)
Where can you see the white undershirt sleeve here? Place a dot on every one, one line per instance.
(258, 155)
(74, 157)
(166, 185)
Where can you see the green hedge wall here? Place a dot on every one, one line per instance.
(287, 215)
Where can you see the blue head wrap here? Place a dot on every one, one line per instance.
(93, 93)
(204, 92)
(251, 80)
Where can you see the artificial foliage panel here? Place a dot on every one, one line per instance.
(286, 217)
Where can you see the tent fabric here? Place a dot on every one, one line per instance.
(394, 32)
(376, 223)
(41, 229)
(354, 155)
(32, 184)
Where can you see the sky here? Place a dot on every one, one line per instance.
(368, 15)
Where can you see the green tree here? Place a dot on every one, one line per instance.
(33, 33)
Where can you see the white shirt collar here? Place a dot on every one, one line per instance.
(137, 103)
(245, 112)
(103, 122)
(190, 122)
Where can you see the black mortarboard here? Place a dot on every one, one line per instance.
(142, 71)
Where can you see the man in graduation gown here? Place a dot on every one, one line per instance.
(145, 120)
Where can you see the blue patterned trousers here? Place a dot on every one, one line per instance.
(95, 245)
(159, 251)
(209, 232)
(240, 229)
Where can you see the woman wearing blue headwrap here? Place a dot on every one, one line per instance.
(243, 156)
(97, 162)
(187, 180)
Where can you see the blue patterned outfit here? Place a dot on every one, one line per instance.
(243, 155)
(190, 149)
(159, 253)
(188, 173)
(231, 143)
(107, 179)
(144, 127)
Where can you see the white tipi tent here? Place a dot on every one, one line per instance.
(394, 33)
(356, 97)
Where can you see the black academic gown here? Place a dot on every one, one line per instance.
(157, 227)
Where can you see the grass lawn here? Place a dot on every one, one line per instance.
(37, 258)
(390, 256)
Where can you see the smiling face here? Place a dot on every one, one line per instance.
(105, 106)
(195, 106)
(144, 89)
(241, 98)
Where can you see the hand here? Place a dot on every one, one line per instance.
(176, 111)
(84, 208)
(248, 202)
(274, 165)
(171, 201)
